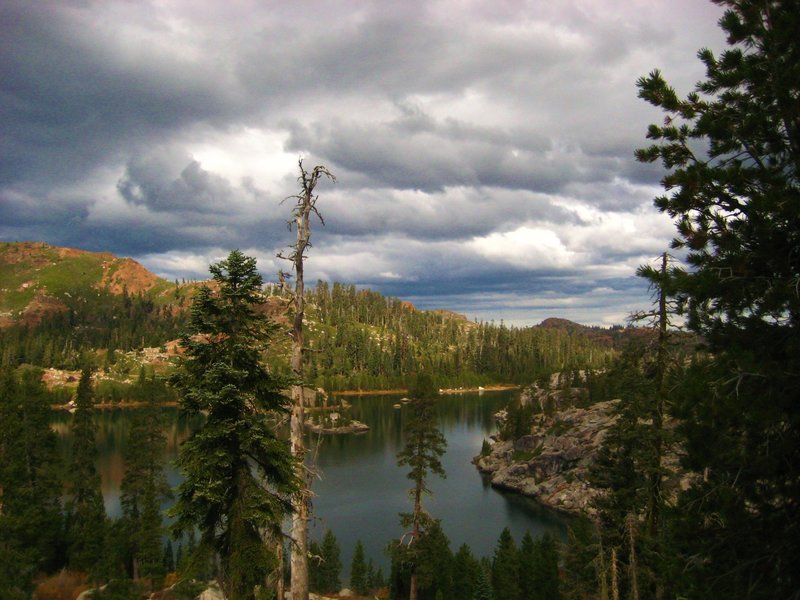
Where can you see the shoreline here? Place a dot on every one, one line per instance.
(500, 387)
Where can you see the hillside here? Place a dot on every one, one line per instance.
(40, 280)
(59, 304)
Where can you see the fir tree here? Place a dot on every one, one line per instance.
(330, 567)
(732, 152)
(466, 572)
(86, 511)
(505, 568)
(142, 488)
(483, 586)
(30, 510)
(434, 567)
(359, 571)
(168, 561)
(239, 475)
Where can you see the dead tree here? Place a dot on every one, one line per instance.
(305, 205)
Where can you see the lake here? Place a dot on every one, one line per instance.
(361, 490)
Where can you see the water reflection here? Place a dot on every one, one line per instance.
(361, 490)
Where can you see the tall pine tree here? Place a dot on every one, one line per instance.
(424, 447)
(30, 489)
(86, 531)
(142, 489)
(732, 152)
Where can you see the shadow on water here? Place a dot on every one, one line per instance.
(361, 490)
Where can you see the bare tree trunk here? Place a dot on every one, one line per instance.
(614, 576)
(306, 201)
(602, 572)
(412, 587)
(278, 573)
(631, 524)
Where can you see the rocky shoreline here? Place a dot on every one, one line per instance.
(352, 427)
(551, 464)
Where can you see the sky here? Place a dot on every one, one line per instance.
(483, 150)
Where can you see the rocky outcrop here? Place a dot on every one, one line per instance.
(551, 464)
(336, 426)
(352, 427)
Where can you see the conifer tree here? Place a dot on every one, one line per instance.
(239, 474)
(465, 573)
(483, 586)
(169, 557)
(424, 447)
(142, 488)
(330, 566)
(358, 571)
(85, 509)
(505, 568)
(731, 149)
(30, 489)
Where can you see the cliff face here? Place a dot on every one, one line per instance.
(552, 462)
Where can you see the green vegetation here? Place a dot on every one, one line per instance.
(422, 452)
(363, 340)
(31, 538)
(86, 515)
(239, 476)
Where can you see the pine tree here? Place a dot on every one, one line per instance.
(358, 571)
(30, 489)
(423, 450)
(239, 475)
(483, 586)
(330, 566)
(732, 152)
(142, 488)
(466, 572)
(544, 568)
(434, 566)
(527, 568)
(505, 568)
(85, 509)
(168, 561)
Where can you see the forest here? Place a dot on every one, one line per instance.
(723, 401)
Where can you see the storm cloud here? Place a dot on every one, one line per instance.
(483, 151)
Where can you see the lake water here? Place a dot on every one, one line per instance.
(361, 489)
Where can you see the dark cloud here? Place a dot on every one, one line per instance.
(170, 131)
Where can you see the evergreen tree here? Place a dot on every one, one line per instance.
(465, 573)
(732, 151)
(86, 511)
(330, 566)
(168, 561)
(527, 568)
(423, 449)
(483, 586)
(142, 488)
(505, 568)
(543, 565)
(434, 567)
(239, 475)
(30, 510)
(358, 571)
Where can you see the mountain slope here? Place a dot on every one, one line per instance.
(39, 279)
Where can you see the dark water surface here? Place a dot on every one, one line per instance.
(361, 489)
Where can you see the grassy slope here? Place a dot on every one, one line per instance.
(29, 270)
